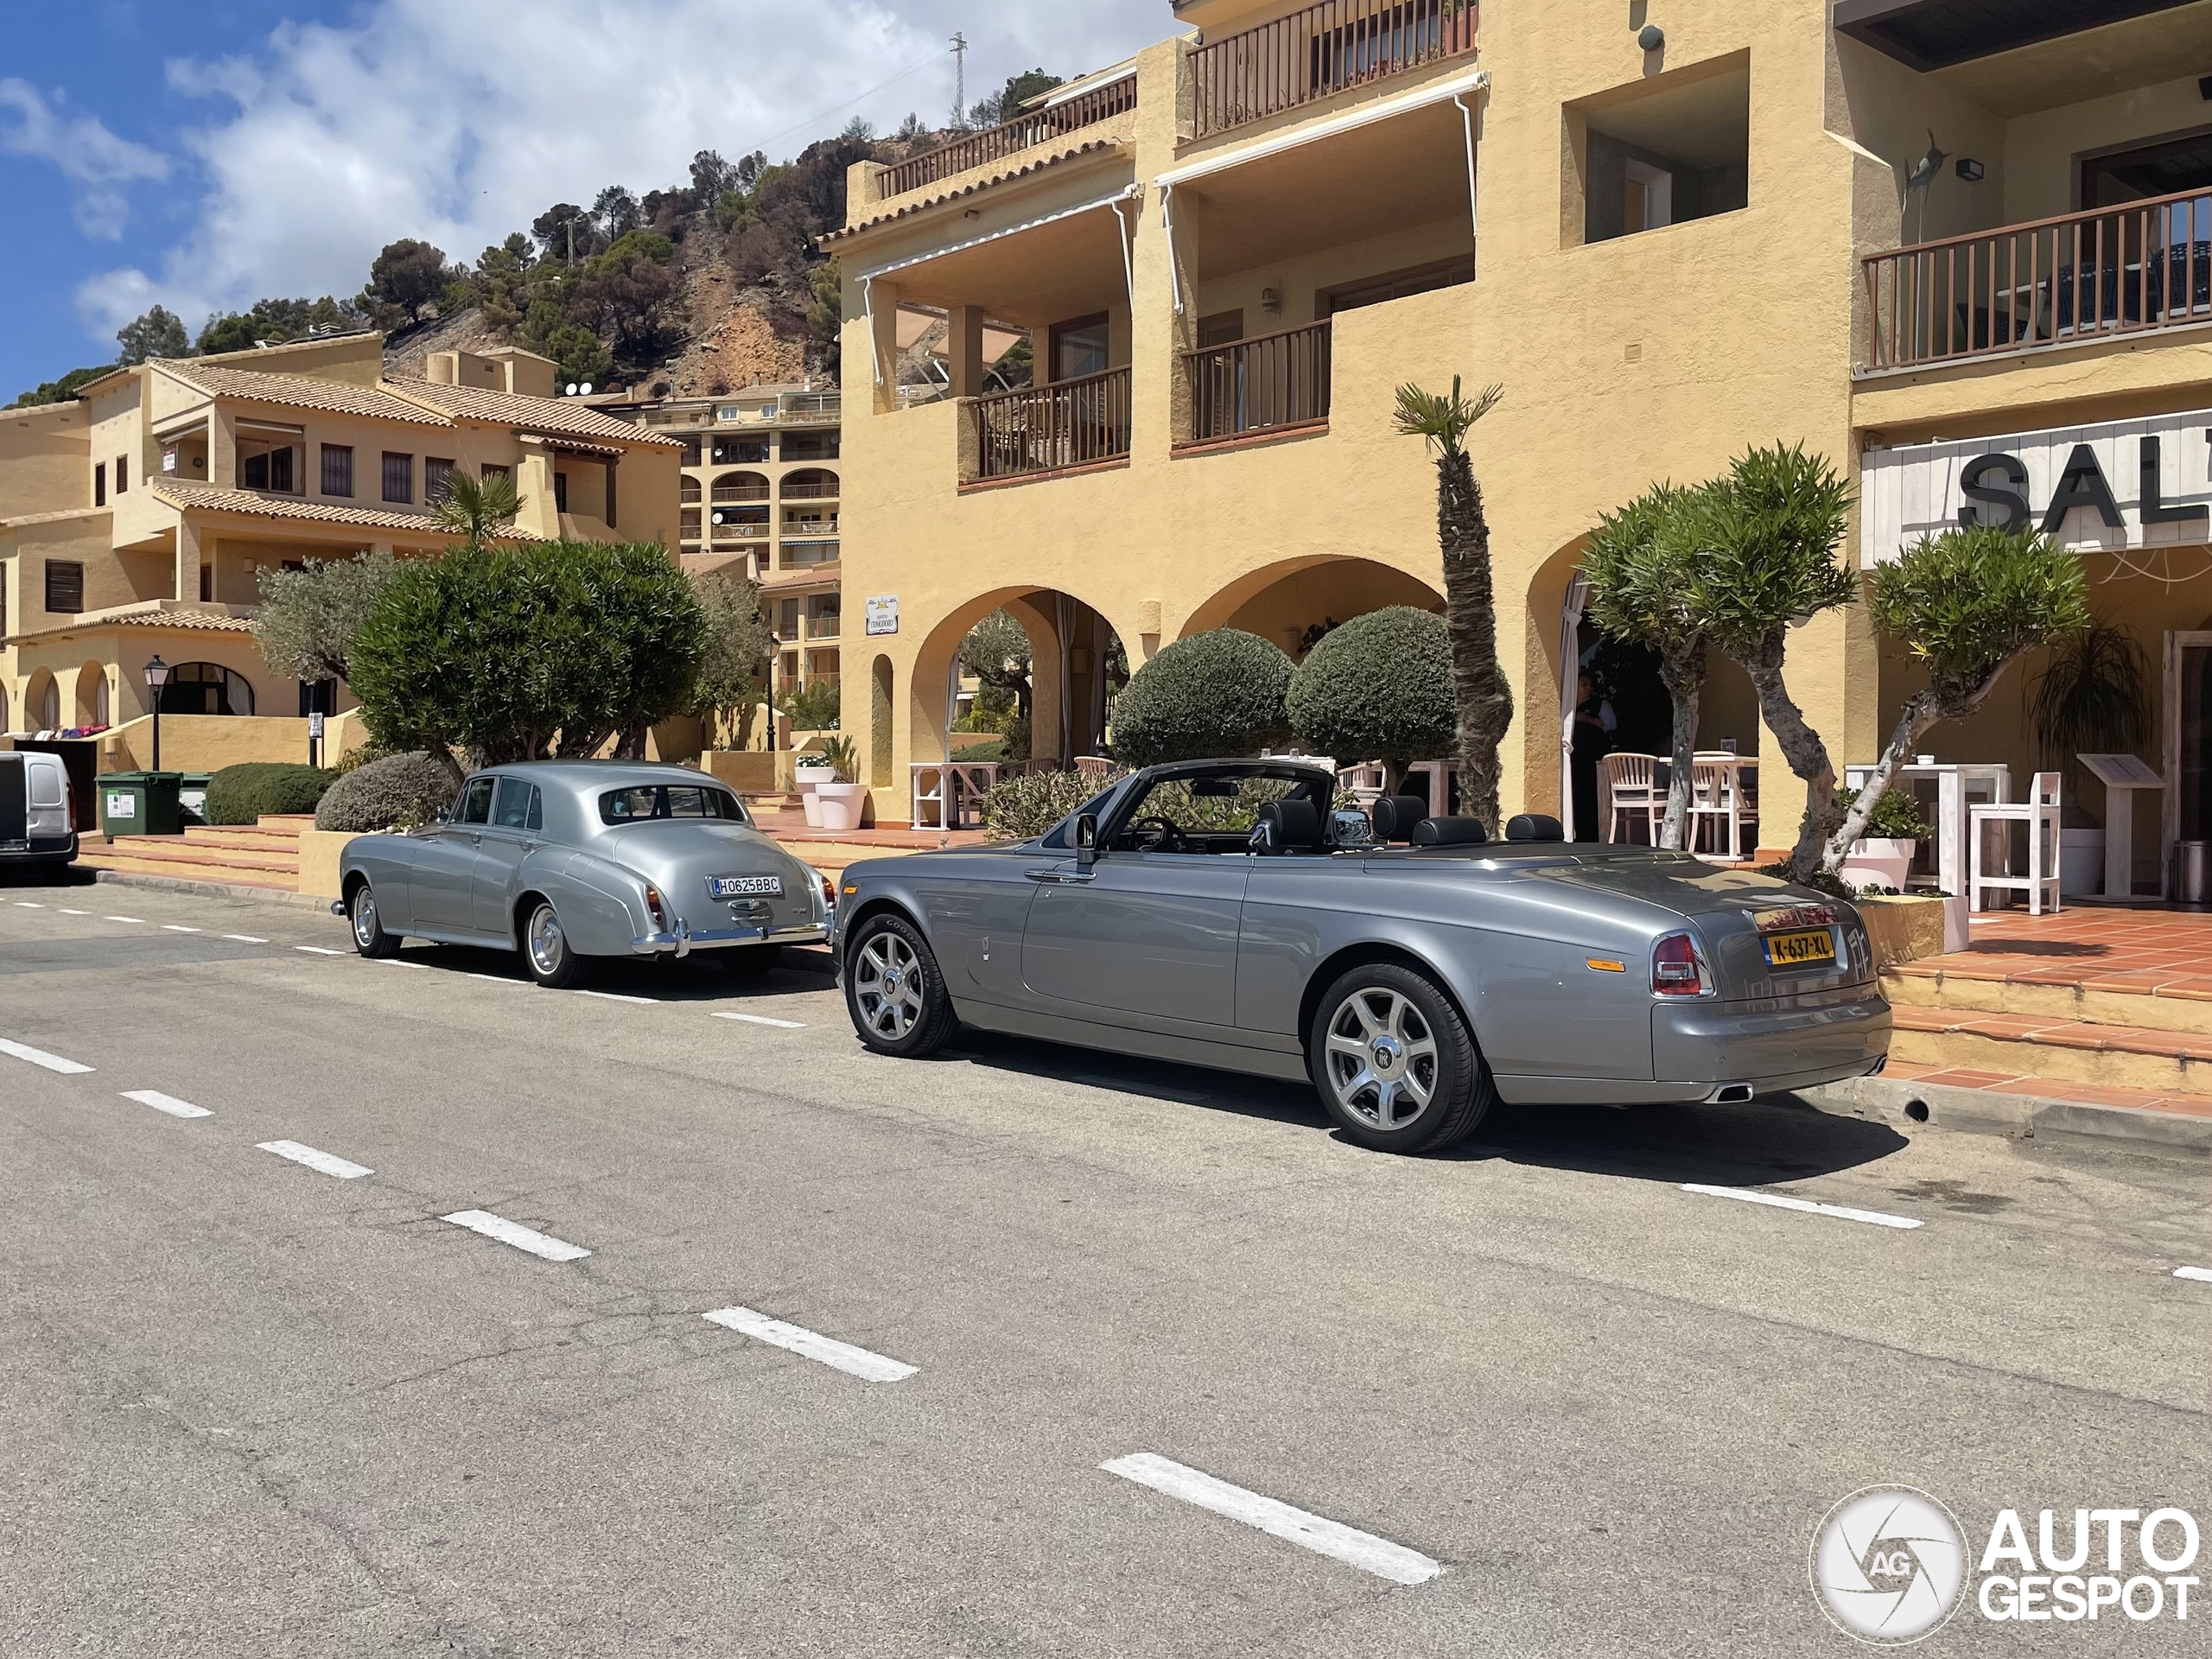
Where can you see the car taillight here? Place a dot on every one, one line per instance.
(659, 910)
(1675, 967)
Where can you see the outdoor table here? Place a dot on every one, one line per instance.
(1954, 780)
(951, 787)
(2121, 775)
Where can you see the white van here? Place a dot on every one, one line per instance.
(35, 810)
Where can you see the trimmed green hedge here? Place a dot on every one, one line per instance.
(1378, 688)
(242, 793)
(398, 790)
(1218, 693)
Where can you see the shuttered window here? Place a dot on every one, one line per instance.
(337, 469)
(437, 475)
(398, 477)
(65, 587)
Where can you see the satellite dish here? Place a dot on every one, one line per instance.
(572, 388)
(586, 388)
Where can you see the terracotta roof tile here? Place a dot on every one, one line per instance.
(204, 621)
(211, 499)
(302, 391)
(564, 417)
(1037, 165)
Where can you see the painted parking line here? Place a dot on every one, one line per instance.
(811, 1344)
(1776, 1200)
(40, 1057)
(173, 927)
(497, 979)
(133, 921)
(763, 1019)
(169, 1103)
(343, 1169)
(65, 910)
(25, 904)
(244, 938)
(1323, 1536)
(514, 1233)
(2202, 1273)
(617, 996)
(318, 950)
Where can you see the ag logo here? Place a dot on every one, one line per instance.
(1888, 1564)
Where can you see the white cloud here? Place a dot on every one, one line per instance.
(97, 160)
(445, 119)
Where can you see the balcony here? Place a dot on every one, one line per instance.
(1327, 48)
(2082, 277)
(1050, 429)
(801, 556)
(1272, 384)
(1039, 126)
(815, 527)
(741, 492)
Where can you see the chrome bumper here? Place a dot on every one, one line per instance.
(683, 942)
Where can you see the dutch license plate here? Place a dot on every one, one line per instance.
(745, 887)
(1804, 950)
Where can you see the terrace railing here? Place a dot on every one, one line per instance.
(1273, 381)
(1034, 127)
(1320, 51)
(2086, 275)
(1044, 428)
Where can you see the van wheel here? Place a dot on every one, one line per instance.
(1396, 1066)
(369, 937)
(552, 961)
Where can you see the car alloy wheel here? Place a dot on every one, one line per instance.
(894, 990)
(1382, 1059)
(545, 947)
(369, 937)
(887, 984)
(1395, 1063)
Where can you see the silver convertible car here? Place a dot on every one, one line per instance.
(567, 860)
(1224, 914)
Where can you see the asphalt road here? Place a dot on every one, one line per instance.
(249, 1406)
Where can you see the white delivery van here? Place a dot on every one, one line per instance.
(35, 810)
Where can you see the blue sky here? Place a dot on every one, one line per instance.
(204, 156)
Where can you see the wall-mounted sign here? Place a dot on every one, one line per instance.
(2122, 485)
(883, 613)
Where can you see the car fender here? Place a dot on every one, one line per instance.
(602, 903)
(880, 884)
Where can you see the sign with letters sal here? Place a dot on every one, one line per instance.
(2113, 487)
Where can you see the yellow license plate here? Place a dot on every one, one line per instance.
(1800, 950)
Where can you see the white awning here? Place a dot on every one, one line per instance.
(1442, 92)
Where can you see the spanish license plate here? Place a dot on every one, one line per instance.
(1805, 950)
(745, 887)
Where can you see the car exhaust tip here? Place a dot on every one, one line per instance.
(1730, 1094)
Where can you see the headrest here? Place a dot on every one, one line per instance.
(1449, 832)
(1395, 816)
(1535, 826)
(1294, 824)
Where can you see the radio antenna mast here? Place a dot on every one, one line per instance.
(960, 80)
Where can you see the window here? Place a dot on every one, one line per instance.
(205, 688)
(1079, 347)
(270, 470)
(65, 585)
(398, 477)
(437, 478)
(809, 446)
(1374, 290)
(518, 806)
(338, 469)
(1223, 328)
(651, 801)
(752, 452)
(491, 470)
(560, 492)
(122, 473)
(100, 483)
(787, 618)
(474, 805)
(2165, 169)
(690, 452)
(1664, 151)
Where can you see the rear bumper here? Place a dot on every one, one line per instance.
(42, 849)
(682, 941)
(1772, 1049)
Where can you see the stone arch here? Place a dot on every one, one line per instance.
(740, 486)
(809, 484)
(43, 701)
(1274, 601)
(1038, 606)
(93, 695)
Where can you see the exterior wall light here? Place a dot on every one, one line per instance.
(1969, 170)
(1651, 37)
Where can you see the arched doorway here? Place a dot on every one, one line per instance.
(91, 694)
(1293, 602)
(1077, 664)
(880, 705)
(42, 702)
(206, 689)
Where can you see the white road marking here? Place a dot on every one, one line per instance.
(763, 1019)
(869, 1368)
(344, 1169)
(244, 938)
(135, 921)
(497, 979)
(40, 1057)
(318, 950)
(1842, 1212)
(172, 927)
(169, 1103)
(25, 904)
(514, 1233)
(1324, 1537)
(617, 996)
(65, 910)
(2204, 1273)
(389, 962)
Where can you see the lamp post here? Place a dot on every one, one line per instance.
(157, 676)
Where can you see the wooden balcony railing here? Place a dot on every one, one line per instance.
(2084, 276)
(810, 492)
(1258, 384)
(1320, 51)
(740, 491)
(1035, 127)
(1044, 428)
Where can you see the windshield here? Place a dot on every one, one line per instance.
(644, 803)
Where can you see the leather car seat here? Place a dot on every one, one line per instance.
(1293, 826)
(1535, 826)
(1395, 816)
(1449, 832)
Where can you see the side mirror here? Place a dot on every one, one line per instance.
(1349, 827)
(1086, 842)
(445, 815)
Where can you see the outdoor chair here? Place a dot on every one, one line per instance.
(2040, 813)
(1632, 787)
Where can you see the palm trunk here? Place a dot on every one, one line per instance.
(1803, 747)
(1681, 671)
(1478, 686)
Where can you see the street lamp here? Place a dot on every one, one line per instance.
(157, 676)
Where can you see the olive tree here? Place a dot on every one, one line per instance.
(1965, 604)
(1640, 590)
(310, 617)
(1220, 693)
(733, 653)
(1378, 688)
(997, 652)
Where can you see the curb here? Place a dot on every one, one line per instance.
(2026, 1117)
(212, 889)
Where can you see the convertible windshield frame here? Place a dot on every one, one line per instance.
(1140, 787)
(666, 802)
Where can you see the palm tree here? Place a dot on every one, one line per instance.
(1479, 690)
(478, 511)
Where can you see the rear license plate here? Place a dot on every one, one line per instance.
(745, 887)
(1805, 950)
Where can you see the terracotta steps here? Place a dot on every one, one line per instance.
(2098, 1053)
(2158, 999)
(265, 854)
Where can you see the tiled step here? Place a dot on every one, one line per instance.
(2162, 1062)
(2062, 988)
(164, 849)
(227, 875)
(245, 838)
(2043, 1088)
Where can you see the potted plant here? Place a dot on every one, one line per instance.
(1883, 856)
(842, 799)
(811, 771)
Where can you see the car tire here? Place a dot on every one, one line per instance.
(1386, 1039)
(546, 950)
(894, 990)
(748, 960)
(369, 937)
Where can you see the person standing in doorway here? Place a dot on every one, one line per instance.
(1594, 723)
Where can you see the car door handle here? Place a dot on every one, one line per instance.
(1059, 878)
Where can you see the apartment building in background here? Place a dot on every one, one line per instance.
(761, 492)
(1670, 232)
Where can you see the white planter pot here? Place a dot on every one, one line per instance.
(2080, 863)
(811, 779)
(841, 804)
(1876, 862)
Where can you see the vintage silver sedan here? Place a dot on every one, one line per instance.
(1221, 913)
(571, 860)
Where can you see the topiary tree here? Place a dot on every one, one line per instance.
(1220, 693)
(1640, 591)
(1964, 603)
(1378, 688)
(397, 792)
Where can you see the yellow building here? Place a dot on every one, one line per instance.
(1670, 231)
(136, 520)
